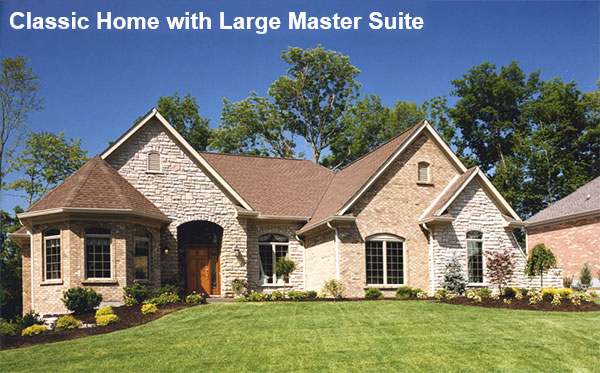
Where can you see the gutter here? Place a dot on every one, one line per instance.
(579, 215)
(337, 251)
(33, 214)
(327, 221)
(431, 280)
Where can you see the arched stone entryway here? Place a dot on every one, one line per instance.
(199, 247)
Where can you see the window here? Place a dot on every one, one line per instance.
(141, 258)
(97, 253)
(52, 254)
(423, 173)
(271, 248)
(475, 256)
(385, 260)
(154, 162)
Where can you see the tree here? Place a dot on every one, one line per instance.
(500, 268)
(184, 116)
(19, 87)
(284, 268)
(46, 159)
(253, 126)
(454, 277)
(540, 260)
(11, 300)
(585, 275)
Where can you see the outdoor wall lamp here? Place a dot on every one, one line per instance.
(236, 251)
(165, 250)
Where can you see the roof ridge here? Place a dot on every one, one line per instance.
(108, 169)
(256, 156)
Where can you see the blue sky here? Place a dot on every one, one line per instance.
(96, 82)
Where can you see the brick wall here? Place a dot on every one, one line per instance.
(572, 242)
(320, 260)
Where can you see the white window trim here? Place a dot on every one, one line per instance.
(148, 170)
(428, 180)
(483, 264)
(112, 258)
(143, 239)
(45, 278)
(385, 238)
(276, 281)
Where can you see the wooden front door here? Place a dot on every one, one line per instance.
(202, 270)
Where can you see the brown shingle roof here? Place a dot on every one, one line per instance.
(584, 199)
(96, 185)
(448, 193)
(273, 186)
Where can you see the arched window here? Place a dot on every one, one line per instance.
(154, 162)
(385, 259)
(52, 254)
(141, 258)
(475, 256)
(271, 248)
(97, 253)
(423, 172)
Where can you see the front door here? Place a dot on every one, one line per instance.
(202, 270)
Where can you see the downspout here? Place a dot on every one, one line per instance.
(31, 265)
(337, 251)
(431, 280)
(303, 260)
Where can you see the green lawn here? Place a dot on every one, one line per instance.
(342, 336)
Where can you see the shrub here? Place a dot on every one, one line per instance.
(509, 292)
(594, 294)
(404, 292)
(239, 287)
(585, 275)
(35, 329)
(507, 300)
(108, 310)
(79, 299)
(334, 288)
(540, 260)
(257, 297)
(548, 293)
(454, 278)
(440, 294)
(523, 291)
(276, 295)
(416, 291)
(107, 319)
(130, 301)
(67, 322)
(556, 300)
(311, 294)
(149, 308)
(500, 268)
(10, 328)
(535, 296)
(518, 294)
(495, 296)
(297, 295)
(373, 293)
(472, 295)
(567, 282)
(137, 291)
(422, 295)
(168, 289)
(29, 319)
(579, 287)
(194, 298)
(164, 299)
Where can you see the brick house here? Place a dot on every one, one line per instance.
(571, 229)
(151, 208)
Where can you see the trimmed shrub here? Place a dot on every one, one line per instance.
(79, 299)
(137, 291)
(404, 292)
(509, 292)
(29, 319)
(296, 295)
(164, 299)
(276, 295)
(107, 319)
(373, 293)
(129, 301)
(194, 298)
(67, 322)
(32, 330)
(334, 289)
(149, 308)
(311, 294)
(168, 289)
(10, 328)
(108, 310)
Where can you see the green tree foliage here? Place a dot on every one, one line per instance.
(183, 114)
(585, 275)
(540, 260)
(19, 87)
(11, 301)
(46, 160)
(454, 277)
(284, 268)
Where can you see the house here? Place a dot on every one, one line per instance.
(151, 209)
(571, 229)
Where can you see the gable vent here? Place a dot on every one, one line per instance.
(423, 171)
(154, 162)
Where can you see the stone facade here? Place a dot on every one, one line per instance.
(573, 243)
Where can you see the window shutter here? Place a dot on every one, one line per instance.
(153, 162)
(423, 171)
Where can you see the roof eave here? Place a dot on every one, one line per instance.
(436, 219)
(560, 219)
(341, 219)
(99, 211)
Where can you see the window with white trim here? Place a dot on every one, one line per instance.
(97, 253)
(154, 162)
(384, 260)
(52, 254)
(141, 257)
(423, 172)
(271, 248)
(475, 256)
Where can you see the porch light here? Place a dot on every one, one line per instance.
(165, 250)
(236, 251)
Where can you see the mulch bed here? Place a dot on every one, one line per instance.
(523, 304)
(129, 317)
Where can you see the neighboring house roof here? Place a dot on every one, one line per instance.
(582, 202)
(95, 187)
(273, 186)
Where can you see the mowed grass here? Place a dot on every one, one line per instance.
(333, 336)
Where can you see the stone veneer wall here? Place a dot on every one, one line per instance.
(572, 242)
(183, 192)
(474, 210)
(320, 260)
(295, 253)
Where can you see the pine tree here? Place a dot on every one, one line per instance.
(585, 276)
(454, 278)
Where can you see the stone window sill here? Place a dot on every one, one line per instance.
(478, 285)
(384, 287)
(425, 183)
(154, 172)
(51, 282)
(99, 281)
(272, 285)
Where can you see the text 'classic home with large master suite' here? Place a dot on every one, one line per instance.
(151, 208)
